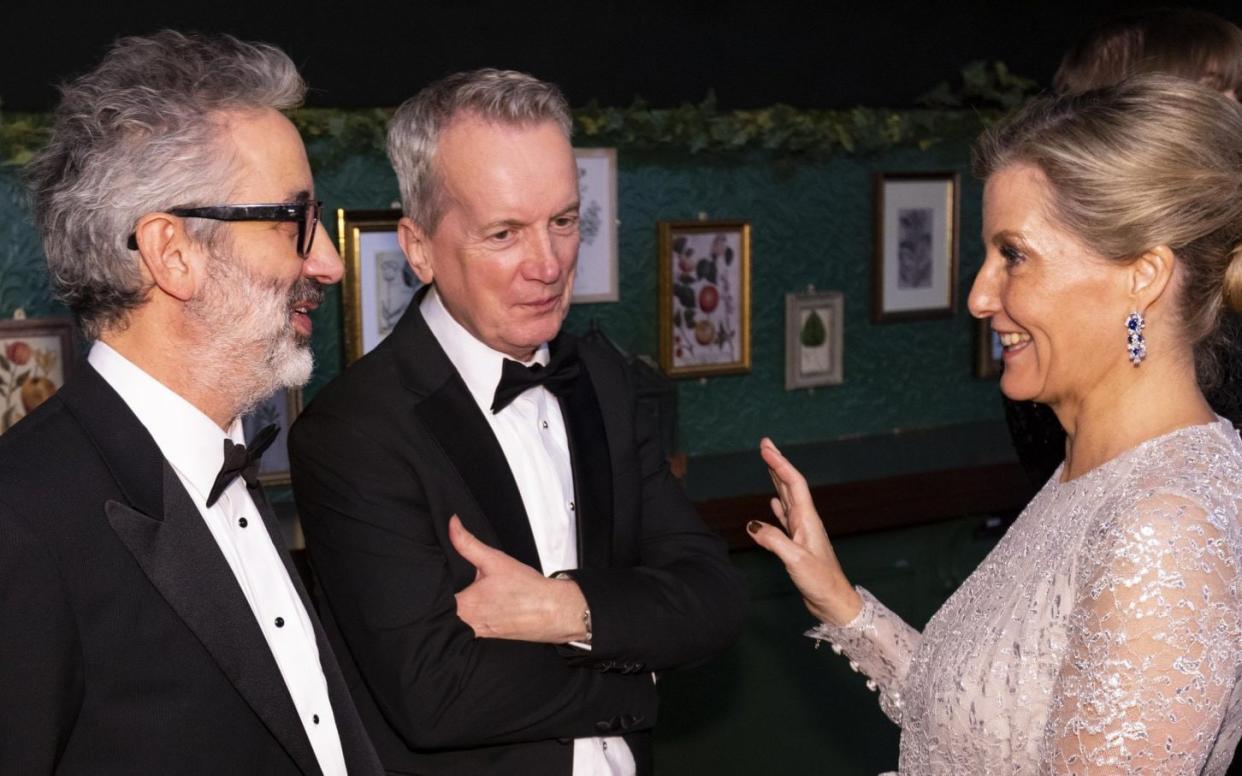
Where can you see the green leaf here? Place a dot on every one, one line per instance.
(22, 378)
(813, 333)
(4, 363)
(685, 295)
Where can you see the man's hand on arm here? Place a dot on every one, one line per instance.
(510, 600)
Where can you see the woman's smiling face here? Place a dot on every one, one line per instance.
(1058, 307)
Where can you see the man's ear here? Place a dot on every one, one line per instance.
(1151, 275)
(168, 256)
(417, 248)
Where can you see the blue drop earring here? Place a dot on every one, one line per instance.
(1136, 343)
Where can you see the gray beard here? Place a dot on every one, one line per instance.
(248, 348)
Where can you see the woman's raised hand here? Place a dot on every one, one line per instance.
(805, 551)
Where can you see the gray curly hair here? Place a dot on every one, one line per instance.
(140, 134)
(503, 96)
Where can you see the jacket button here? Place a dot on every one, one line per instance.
(603, 726)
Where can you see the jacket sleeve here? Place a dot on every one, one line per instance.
(681, 600)
(383, 562)
(40, 655)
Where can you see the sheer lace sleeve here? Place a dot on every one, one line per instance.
(1153, 644)
(879, 644)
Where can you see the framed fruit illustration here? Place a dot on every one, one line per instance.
(36, 356)
(704, 297)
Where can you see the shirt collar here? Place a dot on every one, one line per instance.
(189, 440)
(478, 364)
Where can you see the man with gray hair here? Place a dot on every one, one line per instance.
(531, 648)
(150, 619)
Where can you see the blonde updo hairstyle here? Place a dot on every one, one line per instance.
(1154, 160)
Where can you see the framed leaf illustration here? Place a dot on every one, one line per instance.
(813, 339)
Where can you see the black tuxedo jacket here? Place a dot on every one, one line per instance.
(394, 447)
(126, 644)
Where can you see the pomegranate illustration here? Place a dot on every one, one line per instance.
(17, 352)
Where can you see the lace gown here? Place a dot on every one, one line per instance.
(1102, 634)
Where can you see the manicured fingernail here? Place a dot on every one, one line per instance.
(753, 526)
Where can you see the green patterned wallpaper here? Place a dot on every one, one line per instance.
(812, 224)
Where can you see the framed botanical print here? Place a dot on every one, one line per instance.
(914, 271)
(379, 283)
(36, 357)
(596, 278)
(813, 339)
(704, 297)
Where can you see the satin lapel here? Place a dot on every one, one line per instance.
(592, 465)
(181, 558)
(452, 416)
(123, 443)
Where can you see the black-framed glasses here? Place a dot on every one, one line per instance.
(304, 214)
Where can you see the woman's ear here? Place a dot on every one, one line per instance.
(414, 244)
(168, 256)
(1151, 275)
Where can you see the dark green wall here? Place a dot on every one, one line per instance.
(812, 225)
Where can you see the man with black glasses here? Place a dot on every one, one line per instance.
(150, 620)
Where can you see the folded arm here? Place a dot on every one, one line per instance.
(671, 597)
(390, 575)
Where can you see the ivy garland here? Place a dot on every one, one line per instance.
(957, 112)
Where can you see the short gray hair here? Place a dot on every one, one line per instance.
(141, 134)
(502, 96)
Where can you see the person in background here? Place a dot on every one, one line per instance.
(150, 619)
(1103, 634)
(1184, 42)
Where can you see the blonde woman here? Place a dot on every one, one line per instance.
(1104, 632)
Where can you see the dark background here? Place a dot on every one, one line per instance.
(377, 53)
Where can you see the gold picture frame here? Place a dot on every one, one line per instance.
(378, 283)
(704, 282)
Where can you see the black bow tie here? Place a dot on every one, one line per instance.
(243, 461)
(558, 376)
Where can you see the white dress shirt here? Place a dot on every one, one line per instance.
(531, 433)
(194, 446)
